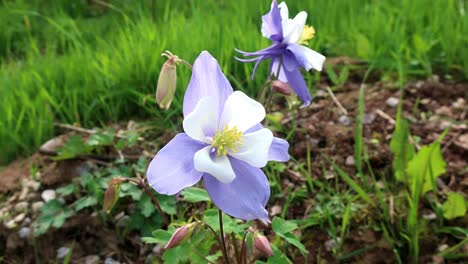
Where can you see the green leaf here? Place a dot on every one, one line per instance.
(425, 167)
(146, 206)
(363, 46)
(281, 226)
(84, 202)
(230, 225)
(52, 214)
(159, 236)
(195, 195)
(67, 189)
(284, 228)
(455, 206)
(74, 147)
(167, 203)
(105, 138)
(278, 257)
(402, 149)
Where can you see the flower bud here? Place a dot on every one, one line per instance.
(179, 236)
(262, 244)
(281, 87)
(167, 83)
(111, 196)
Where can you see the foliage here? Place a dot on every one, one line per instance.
(455, 206)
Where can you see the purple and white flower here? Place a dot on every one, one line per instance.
(287, 53)
(224, 143)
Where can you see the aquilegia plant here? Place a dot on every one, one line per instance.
(287, 53)
(223, 143)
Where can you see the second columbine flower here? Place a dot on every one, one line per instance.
(287, 52)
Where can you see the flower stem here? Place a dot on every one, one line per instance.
(140, 183)
(221, 229)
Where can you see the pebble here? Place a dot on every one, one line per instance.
(331, 244)
(276, 210)
(158, 250)
(33, 185)
(431, 216)
(48, 195)
(109, 260)
(19, 218)
(93, 259)
(459, 104)
(21, 206)
(62, 252)
(392, 101)
(37, 205)
(368, 118)
(350, 161)
(24, 232)
(345, 120)
(10, 224)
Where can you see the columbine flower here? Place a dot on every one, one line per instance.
(224, 143)
(287, 53)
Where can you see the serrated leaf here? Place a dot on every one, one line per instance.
(195, 195)
(167, 203)
(67, 189)
(84, 202)
(101, 138)
(146, 206)
(281, 226)
(425, 167)
(74, 147)
(455, 206)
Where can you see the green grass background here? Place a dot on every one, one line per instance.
(76, 62)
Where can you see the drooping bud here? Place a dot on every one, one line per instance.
(111, 196)
(281, 87)
(167, 81)
(262, 244)
(180, 235)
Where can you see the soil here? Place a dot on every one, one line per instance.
(323, 128)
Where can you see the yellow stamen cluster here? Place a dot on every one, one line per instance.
(227, 140)
(308, 33)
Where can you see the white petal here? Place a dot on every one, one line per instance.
(241, 111)
(218, 167)
(295, 28)
(255, 148)
(202, 121)
(309, 58)
(284, 11)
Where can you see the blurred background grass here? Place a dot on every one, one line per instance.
(95, 62)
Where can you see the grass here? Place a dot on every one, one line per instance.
(97, 63)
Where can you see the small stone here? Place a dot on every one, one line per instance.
(392, 101)
(276, 210)
(329, 175)
(158, 250)
(93, 259)
(345, 120)
(24, 232)
(36, 206)
(24, 193)
(425, 101)
(430, 216)
(109, 260)
(368, 118)
(10, 224)
(21, 206)
(19, 218)
(442, 247)
(62, 252)
(331, 244)
(33, 185)
(26, 221)
(350, 161)
(321, 94)
(48, 195)
(444, 110)
(459, 104)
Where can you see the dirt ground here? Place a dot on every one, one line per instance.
(326, 129)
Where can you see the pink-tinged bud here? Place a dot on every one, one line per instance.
(262, 244)
(167, 83)
(111, 196)
(179, 236)
(281, 87)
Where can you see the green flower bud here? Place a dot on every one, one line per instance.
(111, 196)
